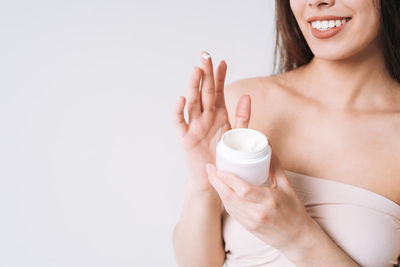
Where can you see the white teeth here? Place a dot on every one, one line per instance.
(324, 25)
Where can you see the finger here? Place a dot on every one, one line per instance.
(241, 188)
(207, 86)
(219, 85)
(272, 167)
(243, 112)
(224, 191)
(278, 176)
(194, 104)
(194, 99)
(235, 206)
(179, 117)
(232, 204)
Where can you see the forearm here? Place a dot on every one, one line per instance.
(317, 249)
(197, 237)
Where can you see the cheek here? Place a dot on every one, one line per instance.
(366, 29)
(367, 24)
(297, 7)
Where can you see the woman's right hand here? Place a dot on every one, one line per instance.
(208, 119)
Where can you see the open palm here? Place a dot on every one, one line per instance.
(207, 118)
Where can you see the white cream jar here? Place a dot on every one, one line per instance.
(246, 153)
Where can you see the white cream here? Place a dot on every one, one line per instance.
(245, 141)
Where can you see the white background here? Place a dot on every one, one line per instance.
(91, 172)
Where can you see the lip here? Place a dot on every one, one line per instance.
(311, 19)
(329, 33)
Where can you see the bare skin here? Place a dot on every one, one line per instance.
(336, 118)
(344, 111)
(197, 237)
(198, 234)
(357, 147)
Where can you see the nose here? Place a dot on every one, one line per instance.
(320, 3)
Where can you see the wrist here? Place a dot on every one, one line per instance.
(305, 243)
(316, 248)
(200, 195)
(199, 187)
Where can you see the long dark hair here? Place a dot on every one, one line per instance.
(292, 50)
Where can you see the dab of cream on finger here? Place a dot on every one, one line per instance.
(206, 55)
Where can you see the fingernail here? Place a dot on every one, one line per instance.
(206, 55)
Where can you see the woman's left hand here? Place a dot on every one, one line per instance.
(274, 214)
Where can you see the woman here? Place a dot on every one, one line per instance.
(332, 117)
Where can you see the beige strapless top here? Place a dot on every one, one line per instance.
(362, 223)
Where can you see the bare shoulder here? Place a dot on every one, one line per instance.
(253, 86)
(268, 97)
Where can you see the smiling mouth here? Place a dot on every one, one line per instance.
(325, 24)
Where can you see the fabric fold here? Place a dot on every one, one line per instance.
(362, 223)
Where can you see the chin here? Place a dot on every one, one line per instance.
(327, 53)
(348, 49)
(335, 51)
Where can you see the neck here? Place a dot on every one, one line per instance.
(360, 83)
